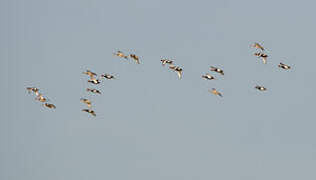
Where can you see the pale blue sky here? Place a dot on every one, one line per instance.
(149, 124)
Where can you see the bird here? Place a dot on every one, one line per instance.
(90, 73)
(257, 46)
(214, 91)
(94, 81)
(260, 88)
(51, 106)
(86, 101)
(89, 111)
(136, 58)
(120, 54)
(263, 56)
(33, 89)
(215, 69)
(177, 69)
(284, 66)
(93, 91)
(41, 98)
(166, 61)
(208, 76)
(108, 76)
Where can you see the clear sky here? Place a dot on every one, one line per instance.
(150, 125)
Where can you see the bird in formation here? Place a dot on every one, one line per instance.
(166, 61)
(93, 91)
(208, 76)
(107, 76)
(218, 70)
(260, 88)
(177, 69)
(214, 91)
(136, 58)
(39, 97)
(86, 101)
(89, 111)
(284, 66)
(51, 106)
(262, 56)
(120, 54)
(258, 46)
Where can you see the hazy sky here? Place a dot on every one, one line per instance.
(150, 125)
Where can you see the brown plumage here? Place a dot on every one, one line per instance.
(90, 73)
(94, 81)
(214, 91)
(89, 111)
(284, 66)
(41, 98)
(120, 54)
(263, 56)
(86, 101)
(258, 46)
(260, 88)
(215, 69)
(166, 61)
(51, 106)
(107, 76)
(136, 58)
(177, 69)
(208, 76)
(94, 91)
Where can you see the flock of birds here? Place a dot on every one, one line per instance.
(95, 80)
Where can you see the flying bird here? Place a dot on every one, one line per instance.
(107, 76)
(93, 91)
(86, 101)
(177, 69)
(284, 66)
(263, 56)
(166, 61)
(260, 88)
(94, 81)
(41, 98)
(89, 111)
(33, 89)
(257, 46)
(120, 54)
(214, 91)
(51, 106)
(208, 76)
(136, 58)
(90, 73)
(215, 69)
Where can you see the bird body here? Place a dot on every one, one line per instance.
(89, 111)
(51, 106)
(86, 101)
(90, 73)
(215, 69)
(120, 54)
(107, 76)
(263, 56)
(260, 88)
(284, 66)
(94, 81)
(94, 91)
(166, 61)
(177, 69)
(258, 46)
(136, 58)
(208, 76)
(215, 92)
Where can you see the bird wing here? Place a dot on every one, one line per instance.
(179, 74)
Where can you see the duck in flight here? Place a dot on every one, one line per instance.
(262, 56)
(120, 54)
(86, 101)
(136, 58)
(258, 46)
(89, 111)
(107, 76)
(51, 106)
(215, 69)
(260, 88)
(166, 61)
(94, 91)
(177, 69)
(214, 91)
(90, 73)
(284, 66)
(208, 76)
